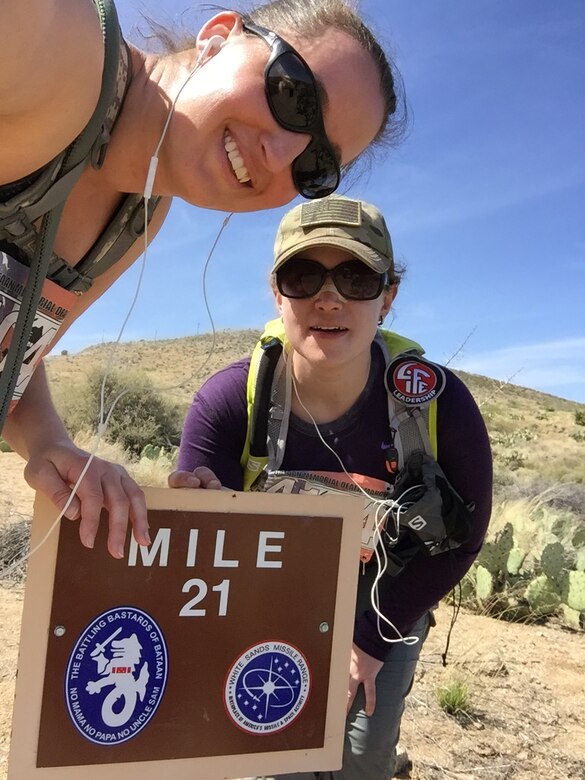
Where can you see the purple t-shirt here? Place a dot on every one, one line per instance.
(214, 434)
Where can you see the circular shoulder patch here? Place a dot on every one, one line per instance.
(267, 687)
(413, 380)
(116, 675)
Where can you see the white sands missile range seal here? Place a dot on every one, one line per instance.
(267, 687)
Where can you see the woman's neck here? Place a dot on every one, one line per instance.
(141, 121)
(325, 393)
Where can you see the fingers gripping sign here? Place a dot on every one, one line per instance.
(201, 477)
(103, 485)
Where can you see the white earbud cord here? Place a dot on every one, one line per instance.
(384, 511)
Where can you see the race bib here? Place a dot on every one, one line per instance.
(316, 483)
(53, 306)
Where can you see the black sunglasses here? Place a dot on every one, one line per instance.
(300, 278)
(293, 98)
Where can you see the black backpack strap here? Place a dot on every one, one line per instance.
(272, 350)
(125, 227)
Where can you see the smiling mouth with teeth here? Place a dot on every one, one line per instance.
(236, 160)
(338, 329)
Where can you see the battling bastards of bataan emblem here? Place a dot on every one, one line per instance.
(267, 687)
(116, 676)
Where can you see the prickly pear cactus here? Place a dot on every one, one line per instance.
(491, 558)
(516, 558)
(484, 583)
(572, 618)
(578, 539)
(552, 560)
(574, 590)
(580, 560)
(494, 555)
(468, 586)
(150, 451)
(543, 596)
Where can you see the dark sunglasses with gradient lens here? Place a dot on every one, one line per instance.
(300, 278)
(293, 97)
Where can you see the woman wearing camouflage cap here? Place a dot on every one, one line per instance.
(365, 407)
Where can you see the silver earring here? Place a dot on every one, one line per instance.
(380, 320)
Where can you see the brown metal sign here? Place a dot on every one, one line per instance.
(224, 647)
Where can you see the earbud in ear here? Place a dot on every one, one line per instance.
(212, 45)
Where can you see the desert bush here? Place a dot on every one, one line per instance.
(503, 479)
(140, 414)
(505, 426)
(454, 698)
(145, 470)
(579, 417)
(569, 466)
(513, 460)
(14, 545)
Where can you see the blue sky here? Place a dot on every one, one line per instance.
(485, 200)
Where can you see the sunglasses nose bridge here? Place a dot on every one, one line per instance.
(328, 287)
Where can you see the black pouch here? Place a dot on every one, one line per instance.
(431, 513)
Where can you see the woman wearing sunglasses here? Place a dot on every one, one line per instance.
(237, 118)
(365, 403)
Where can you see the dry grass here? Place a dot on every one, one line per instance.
(14, 545)
(147, 472)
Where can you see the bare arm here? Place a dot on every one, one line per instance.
(51, 61)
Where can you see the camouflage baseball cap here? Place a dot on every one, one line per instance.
(353, 225)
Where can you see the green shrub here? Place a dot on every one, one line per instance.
(141, 415)
(454, 698)
(579, 417)
(514, 460)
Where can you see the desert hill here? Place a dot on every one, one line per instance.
(534, 435)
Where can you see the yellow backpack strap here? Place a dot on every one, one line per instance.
(394, 344)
